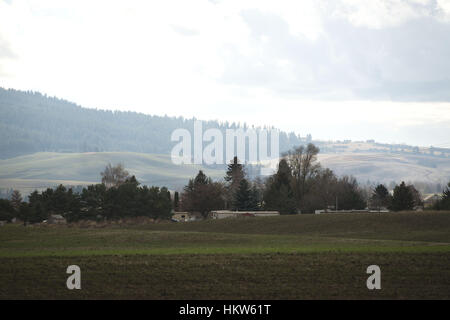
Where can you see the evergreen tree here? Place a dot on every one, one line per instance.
(6, 210)
(235, 173)
(201, 179)
(25, 213)
(202, 195)
(381, 197)
(417, 196)
(403, 198)
(446, 193)
(38, 213)
(92, 202)
(255, 198)
(243, 198)
(279, 194)
(176, 201)
(444, 202)
(350, 196)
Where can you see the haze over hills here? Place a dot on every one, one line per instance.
(47, 141)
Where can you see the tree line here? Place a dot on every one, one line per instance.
(299, 185)
(119, 195)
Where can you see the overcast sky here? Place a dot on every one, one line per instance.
(338, 69)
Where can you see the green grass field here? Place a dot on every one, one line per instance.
(285, 257)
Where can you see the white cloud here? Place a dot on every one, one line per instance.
(252, 61)
(388, 13)
(444, 5)
(379, 14)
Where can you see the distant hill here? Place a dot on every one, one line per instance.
(31, 122)
(387, 168)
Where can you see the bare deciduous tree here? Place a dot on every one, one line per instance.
(16, 199)
(304, 166)
(114, 176)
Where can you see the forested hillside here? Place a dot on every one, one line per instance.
(31, 122)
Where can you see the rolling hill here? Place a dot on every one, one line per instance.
(47, 169)
(388, 167)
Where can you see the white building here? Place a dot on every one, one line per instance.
(223, 214)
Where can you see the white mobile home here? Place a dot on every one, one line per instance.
(223, 214)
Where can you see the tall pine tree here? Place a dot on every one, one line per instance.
(235, 174)
(381, 197)
(245, 197)
(403, 198)
(176, 201)
(279, 194)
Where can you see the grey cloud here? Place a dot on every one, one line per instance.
(408, 62)
(405, 63)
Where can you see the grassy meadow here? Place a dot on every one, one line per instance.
(48, 169)
(285, 257)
